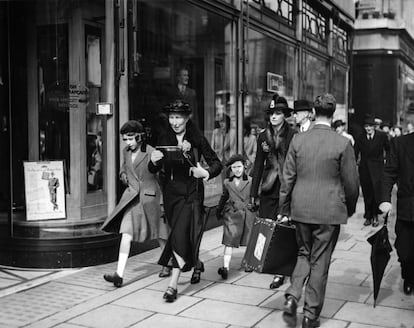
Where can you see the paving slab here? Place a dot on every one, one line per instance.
(254, 279)
(24, 308)
(235, 294)
(170, 321)
(111, 316)
(347, 278)
(275, 319)
(225, 312)
(151, 300)
(347, 292)
(184, 286)
(380, 316)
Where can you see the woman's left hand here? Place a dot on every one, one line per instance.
(200, 172)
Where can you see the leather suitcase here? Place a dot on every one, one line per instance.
(272, 247)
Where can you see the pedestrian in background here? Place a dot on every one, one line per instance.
(272, 146)
(400, 170)
(232, 209)
(183, 192)
(137, 220)
(339, 127)
(249, 144)
(372, 147)
(319, 192)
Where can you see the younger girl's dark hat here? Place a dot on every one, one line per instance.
(235, 158)
(130, 127)
(178, 106)
(279, 103)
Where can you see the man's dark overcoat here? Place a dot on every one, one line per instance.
(400, 170)
(371, 168)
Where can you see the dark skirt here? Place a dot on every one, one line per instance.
(179, 211)
(269, 202)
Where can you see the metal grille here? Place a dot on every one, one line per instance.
(282, 8)
(314, 24)
(340, 41)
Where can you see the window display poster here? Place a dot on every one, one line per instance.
(44, 190)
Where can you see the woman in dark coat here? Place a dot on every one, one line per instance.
(183, 189)
(272, 146)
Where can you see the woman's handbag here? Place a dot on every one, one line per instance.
(272, 247)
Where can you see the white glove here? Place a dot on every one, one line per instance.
(200, 172)
(385, 207)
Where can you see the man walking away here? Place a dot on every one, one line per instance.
(319, 192)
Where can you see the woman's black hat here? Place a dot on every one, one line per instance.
(178, 106)
(279, 103)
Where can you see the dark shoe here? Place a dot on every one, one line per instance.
(309, 323)
(223, 272)
(248, 269)
(289, 311)
(277, 282)
(367, 222)
(195, 278)
(165, 272)
(117, 280)
(407, 288)
(170, 295)
(375, 222)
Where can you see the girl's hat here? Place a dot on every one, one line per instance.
(279, 103)
(236, 158)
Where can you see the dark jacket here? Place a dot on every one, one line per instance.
(184, 195)
(263, 164)
(400, 170)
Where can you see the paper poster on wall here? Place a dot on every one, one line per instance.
(275, 83)
(44, 190)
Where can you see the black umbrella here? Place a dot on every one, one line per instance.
(380, 255)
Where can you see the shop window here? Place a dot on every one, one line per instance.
(340, 43)
(175, 44)
(271, 70)
(315, 77)
(94, 123)
(340, 91)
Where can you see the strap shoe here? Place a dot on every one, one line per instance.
(114, 278)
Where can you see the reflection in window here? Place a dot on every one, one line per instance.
(94, 123)
(270, 71)
(315, 80)
(181, 51)
(53, 77)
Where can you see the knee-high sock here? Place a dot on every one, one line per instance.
(228, 251)
(124, 249)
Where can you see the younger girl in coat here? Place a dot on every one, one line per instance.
(232, 208)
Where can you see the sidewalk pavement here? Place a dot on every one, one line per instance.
(81, 298)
